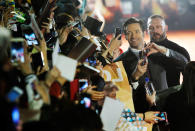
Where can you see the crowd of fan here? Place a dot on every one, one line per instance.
(43, 98)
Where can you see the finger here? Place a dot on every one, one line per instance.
(25, 46)
(46, 23)
(154, 93)
(38, 69)
(158, 118)
(55, 7)
(49, 19)
(97, 98)
(118, 36)
(155, 121)
(46, 27)
(93, 87)
(99, 93)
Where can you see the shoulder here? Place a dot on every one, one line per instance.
(176, 47)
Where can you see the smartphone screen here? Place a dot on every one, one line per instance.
(15, 115)
(117, 32)
(31, 39)
(91, 61)
(17, 50)
(163, 115)
(14, 94)
(83, 84)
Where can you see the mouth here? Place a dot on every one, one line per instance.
(156, 35)
(133, 40)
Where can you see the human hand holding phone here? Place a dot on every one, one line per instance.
(14, 94)
(118, 32)
(25, 66)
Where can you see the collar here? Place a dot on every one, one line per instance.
(136, 52)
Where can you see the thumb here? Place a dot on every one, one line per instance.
(93, 87)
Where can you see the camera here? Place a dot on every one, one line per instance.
(118, 32)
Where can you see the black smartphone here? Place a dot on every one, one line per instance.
(14, 94)
(37, 60)
(91, 61)
(144, 61)
(162, 115)
(17, 50)
(29, 35)
(83, 84)
(117, 32)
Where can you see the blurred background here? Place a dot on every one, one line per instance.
(179, 15)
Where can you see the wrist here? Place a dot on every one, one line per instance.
(163, 50)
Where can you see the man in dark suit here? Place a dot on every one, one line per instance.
(153, 67)
(157, 29)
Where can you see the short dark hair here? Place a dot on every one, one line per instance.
(133, 20)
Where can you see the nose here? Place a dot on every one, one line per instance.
(132, 35)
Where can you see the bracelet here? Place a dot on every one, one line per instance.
(143, 116)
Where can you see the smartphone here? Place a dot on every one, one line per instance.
(91, 61)
(29, 35)
(144, 61)
(117, 32)
(162, 115)
(83, 84)
(17, 50)
(31, 39)
(37, 60)
(86, 101)
(14, 94)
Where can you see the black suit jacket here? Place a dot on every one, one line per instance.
(159, 66)
(173, 66)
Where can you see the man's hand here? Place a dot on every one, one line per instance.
(95, 95)
(140, 69)
(51, 76)
(154, 48)
(63, 34)
(150, 117)
(114, 44)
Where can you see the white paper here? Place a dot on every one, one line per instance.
(66, 65)
(55, 52)
(111, 113)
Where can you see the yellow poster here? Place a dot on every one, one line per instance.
(116, 73)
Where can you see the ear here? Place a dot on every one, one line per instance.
(166, 28)
(126, 37)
